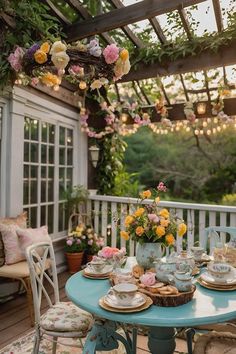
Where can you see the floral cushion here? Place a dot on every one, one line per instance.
(30, 236)
(13, 252)
(21, 221)
(65, 316)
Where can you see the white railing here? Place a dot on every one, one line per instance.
(109, 212)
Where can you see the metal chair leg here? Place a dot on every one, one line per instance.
(189, 334)
(54, 345)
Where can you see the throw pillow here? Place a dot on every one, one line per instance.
(13, 253)
(21, 221)
(30, 236)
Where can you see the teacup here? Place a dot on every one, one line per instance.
(123, 292)
(197, 252)
(97, 266)
(183, 281)
(219, 271)
(124, 276)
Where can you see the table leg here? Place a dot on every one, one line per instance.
(161, 340)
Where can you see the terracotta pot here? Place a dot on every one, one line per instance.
(74, 261)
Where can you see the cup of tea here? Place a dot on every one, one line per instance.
(124, 293)
(197, 252)
(96, 265)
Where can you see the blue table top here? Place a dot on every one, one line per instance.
(207, 306)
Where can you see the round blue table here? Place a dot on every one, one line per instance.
(207, 306)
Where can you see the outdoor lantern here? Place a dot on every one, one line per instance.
(201, 108)
(94, 155)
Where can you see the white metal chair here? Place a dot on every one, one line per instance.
(62, 319)
(217, 234)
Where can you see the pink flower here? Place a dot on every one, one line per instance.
(78, 241)
(90, 242)
(15, 59)
(148, 279)
(153, 218)
(161, 187)
(34, 81)
(108, 252)
(69, 242)
(111, 53)
(76, 70)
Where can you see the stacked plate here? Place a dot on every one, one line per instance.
(226, 284)
(140, 302)
(90, 273)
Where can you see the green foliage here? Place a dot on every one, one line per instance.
(75, 196)
(229, 199)
(31, 22)
(112, 148)
(126, 184)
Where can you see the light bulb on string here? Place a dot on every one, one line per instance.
(201, 132)
(204, 124)
(218, 128)
(215, 120)
(224, 126)
(196, 132)
(208, 132)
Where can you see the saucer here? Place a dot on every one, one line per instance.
(146, 305)
(205, 259)
(229, 280)
(106, 270)
(216, 287)
(137, 301)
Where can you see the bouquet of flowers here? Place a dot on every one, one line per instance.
(112, 255)
(151, 224)
(83, 238)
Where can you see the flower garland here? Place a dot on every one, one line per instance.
(218, 110)
(162, 110)
(86, 65)
(189, 111)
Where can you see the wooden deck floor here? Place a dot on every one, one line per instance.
(15, 321)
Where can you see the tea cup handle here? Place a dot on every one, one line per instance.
(171, 279)
(111, 291)
(163, 248)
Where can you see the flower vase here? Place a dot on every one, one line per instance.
(147, 253)
(74, 261)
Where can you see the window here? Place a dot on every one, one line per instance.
(48, 170)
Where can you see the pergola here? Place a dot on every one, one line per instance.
(121, 17)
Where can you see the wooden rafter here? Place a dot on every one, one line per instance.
(143, 92)
(185, 22)
(56, 12)
(207, 85)
(117, 4)
(218, 15)
(157, 28)
(126, 15)
(203, 61)
(184, 87)
(77, 6)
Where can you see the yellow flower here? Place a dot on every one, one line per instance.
(124, 235)
(128, 220)
(182, 228)
(139, 212)
(124, 54)
(164, 222)
(50, 80)
(96, 84)
(164, 213)
(139, 230)
(57, 47)
(145, 194)
(45, 47)
(40, 56)
(60, 60)
(82, 85)
(170, 239)
(160, 231)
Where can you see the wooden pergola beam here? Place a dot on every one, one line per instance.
(203, 61)
(157, 28)
(185, 22)
(56, 12)
(218, 15)
(117, 4)
(119, 18)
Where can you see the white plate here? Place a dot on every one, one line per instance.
(90, 271)
(137, 301)
(229, 280)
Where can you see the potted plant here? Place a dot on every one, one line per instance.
(75, 197)
(93, 243)
(154, 229)
(74, 248)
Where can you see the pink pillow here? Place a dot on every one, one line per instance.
(30, 236)
(13, 252)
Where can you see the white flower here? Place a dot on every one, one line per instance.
(96, 84)
(57, 47)
(60, 60)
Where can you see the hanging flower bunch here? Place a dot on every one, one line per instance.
(162, 110)
(149, 223)
(218, 110)
(189, 111)
(86, 65)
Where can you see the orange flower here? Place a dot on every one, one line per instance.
(45, 47)
(164, 213)
(139, 212)
(182, 228)
(50, 80)
(40, 56)
(160, 231)
(128, 220)
(124, 235)
(124, 54)
(139, 230)
(164, 222)
(157, 200)
(145, 194)
(170, 240)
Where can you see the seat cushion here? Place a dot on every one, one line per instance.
(17, 270)
(216, 343)
(65, 316)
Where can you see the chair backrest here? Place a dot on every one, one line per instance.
(41, 259)
(218, 234)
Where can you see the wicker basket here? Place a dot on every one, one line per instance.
(170, 300)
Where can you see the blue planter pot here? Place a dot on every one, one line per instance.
(146, 254)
